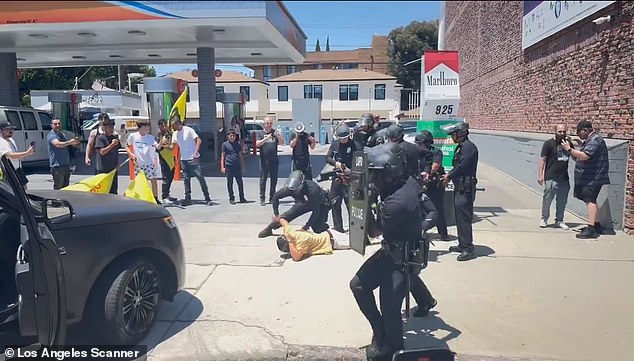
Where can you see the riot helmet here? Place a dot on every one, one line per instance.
(460, 129)
(386, 165)
(366, 119)
(342, 131)
(425, 137)
(295, 181)
(395, 132)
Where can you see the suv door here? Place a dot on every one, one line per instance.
(33, 134)
(39, 273)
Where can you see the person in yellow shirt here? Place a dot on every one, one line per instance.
(301, 244)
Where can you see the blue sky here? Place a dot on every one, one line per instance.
(350, 24)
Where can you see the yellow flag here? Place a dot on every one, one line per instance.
(168, 155)
(140, 188)
(179, 109)
(99, 183)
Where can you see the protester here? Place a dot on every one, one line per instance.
(189, 144)
(267, 142)
(166, 151)
(59, 154)
(107, 148)
(144, 154)
(232, 164)
(302, 244)
(8, 147)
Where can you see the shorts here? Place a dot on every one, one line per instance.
(588, 194)
(149, 170)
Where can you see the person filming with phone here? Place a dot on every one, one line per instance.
(8, 147)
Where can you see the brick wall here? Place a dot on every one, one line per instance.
(584, 72)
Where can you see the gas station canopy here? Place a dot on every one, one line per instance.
(80, 33)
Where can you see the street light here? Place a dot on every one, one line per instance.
(133, 75)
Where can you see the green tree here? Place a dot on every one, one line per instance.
(317, 47)
(407, 44)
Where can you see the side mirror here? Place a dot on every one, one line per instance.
(57, 210)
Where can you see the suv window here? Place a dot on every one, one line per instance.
(13, 118)
(251, 127)
(45, 120)
(29, 120)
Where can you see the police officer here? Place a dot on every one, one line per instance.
(300, 142)
(399, 220)
(395, 135)
(309, 197)
(364, 134)
(431, 169)
(463, 176)
(340, 156)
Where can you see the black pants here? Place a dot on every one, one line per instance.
(463, 204)
(269, 166)
(168, 178)
(437, 196)
(381, 271)
(114, 188)
(191, 168)
(300, 208)
(234, 171)
(338, 193)
(302, 164)
(61, 176)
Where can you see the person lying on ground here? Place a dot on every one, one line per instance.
(302, 244)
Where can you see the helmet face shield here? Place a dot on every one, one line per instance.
(295, 181)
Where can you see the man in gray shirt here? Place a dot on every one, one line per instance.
(591, 173)
(59, 154)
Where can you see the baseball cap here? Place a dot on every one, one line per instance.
(584, 124)
(4, 124)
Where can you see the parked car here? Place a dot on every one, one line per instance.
(69, 256)
(251, 128)
(409, 130)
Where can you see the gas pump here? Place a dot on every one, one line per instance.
(161, 94)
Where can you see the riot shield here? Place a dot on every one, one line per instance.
(359, 203)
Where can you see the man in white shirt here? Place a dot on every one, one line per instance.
(189, 149)
(8, 147)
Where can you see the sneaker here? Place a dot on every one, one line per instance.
(243, 200)
(209, 202)
(167, 201)
(587, 232)
(173, 199)
(543, 224)
(265, 232)
(561, 225)
(186, 202)
(232, 201)
(262, 202)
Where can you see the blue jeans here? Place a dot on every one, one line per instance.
(552, 190)
(191, 168)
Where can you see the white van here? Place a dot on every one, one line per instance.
(31, 126)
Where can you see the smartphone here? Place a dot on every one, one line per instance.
(32, 144)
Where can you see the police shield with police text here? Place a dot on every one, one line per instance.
(398, 219)
(340, 157)
(463, 176)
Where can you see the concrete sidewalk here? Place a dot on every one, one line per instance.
(532, 293)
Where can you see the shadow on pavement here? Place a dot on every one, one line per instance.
(424, 332)
(493, 210)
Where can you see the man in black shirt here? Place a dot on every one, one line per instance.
(309, 197)
(340, 156)
(553, 175)
(232, 165)
(267, 143)
(399, 220)
(107, 146)
(431, 169)
(300, 142)
(463, 176)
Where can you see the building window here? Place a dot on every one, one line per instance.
(268, 72)
(319, 66)
(290, 69)
(246, 91)
(379, 91)
(349, 92)
(313, 91)
(282, 93)
(220, 90)
(348, 66)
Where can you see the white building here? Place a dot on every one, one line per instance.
(344, 93)
(257, 102)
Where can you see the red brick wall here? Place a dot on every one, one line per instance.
(584, 72)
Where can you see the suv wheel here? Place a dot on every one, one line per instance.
(132, 302)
